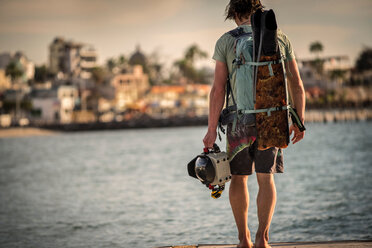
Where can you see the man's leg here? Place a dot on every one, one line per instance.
(239, 201)
(266, 200)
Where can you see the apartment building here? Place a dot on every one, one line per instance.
(73, 59)
(130, 87)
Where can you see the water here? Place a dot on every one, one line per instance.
(130, 189)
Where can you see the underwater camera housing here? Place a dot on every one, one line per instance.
(212, 168)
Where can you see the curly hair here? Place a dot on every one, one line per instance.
(242, 8)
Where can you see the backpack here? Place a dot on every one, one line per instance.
(244, 72)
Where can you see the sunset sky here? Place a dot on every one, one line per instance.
(115, 27)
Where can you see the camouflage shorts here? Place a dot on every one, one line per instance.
(245, 157)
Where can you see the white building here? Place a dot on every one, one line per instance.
(74, 59)
(88, 60)
(68, 96)
(48, 109)
(46, 106)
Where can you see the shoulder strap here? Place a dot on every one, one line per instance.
(228, 92)
(236, 33)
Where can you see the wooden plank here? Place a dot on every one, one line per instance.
(326, 244)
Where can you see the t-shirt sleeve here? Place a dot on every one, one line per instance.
(220, 50)
(289, 53)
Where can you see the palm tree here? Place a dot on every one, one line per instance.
(186, 65)
(194, 52)
(316, 47)
(111, 64)
(41, 73)
(338, 75)
(98, 75)
(15, 71)
(122, 60)
(364, 62)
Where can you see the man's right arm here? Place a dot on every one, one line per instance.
(216, 102)
(297, 92)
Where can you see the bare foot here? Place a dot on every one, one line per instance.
(261, 245)
(245, 244)
(262, 240)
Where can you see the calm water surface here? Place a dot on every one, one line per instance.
(130, 189)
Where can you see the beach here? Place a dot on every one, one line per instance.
(24, 132)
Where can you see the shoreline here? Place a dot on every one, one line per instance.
(15, 132)
(312, 116)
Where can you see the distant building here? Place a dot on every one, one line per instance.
(129, 87)
(5, 59)
(21, 60)
(165, 100)
(335, 72)
(45, 106)
(5, 82)
(138, 58)
(28, 65)
(71, 58)
(56, 55)
(88, 60)
(68, 96)
(171, 100)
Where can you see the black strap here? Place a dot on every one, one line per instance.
(296, 120)
(236, 32)
(228, 92)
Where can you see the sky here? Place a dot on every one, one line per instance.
(168, 27)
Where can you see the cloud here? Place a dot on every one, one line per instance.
(41, 16)
(344, 8)
(337, 40)
(148, 12)
(327, 7)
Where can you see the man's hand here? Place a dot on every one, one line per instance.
(297, 134)
(210, 138)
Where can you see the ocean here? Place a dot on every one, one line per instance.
(130, 188)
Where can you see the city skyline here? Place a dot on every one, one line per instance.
(168, 27)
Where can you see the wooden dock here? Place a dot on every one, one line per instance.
(326, 244)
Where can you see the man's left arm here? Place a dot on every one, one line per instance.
(297, 92)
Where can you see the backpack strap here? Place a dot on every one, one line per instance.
(295, 118)
(237, 32)
(267, 110)
(268, 63)
(228, 92)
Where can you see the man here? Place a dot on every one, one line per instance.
(266, 162)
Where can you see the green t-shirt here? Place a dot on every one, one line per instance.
(224, 49)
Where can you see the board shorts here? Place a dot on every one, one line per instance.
(244, 156)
